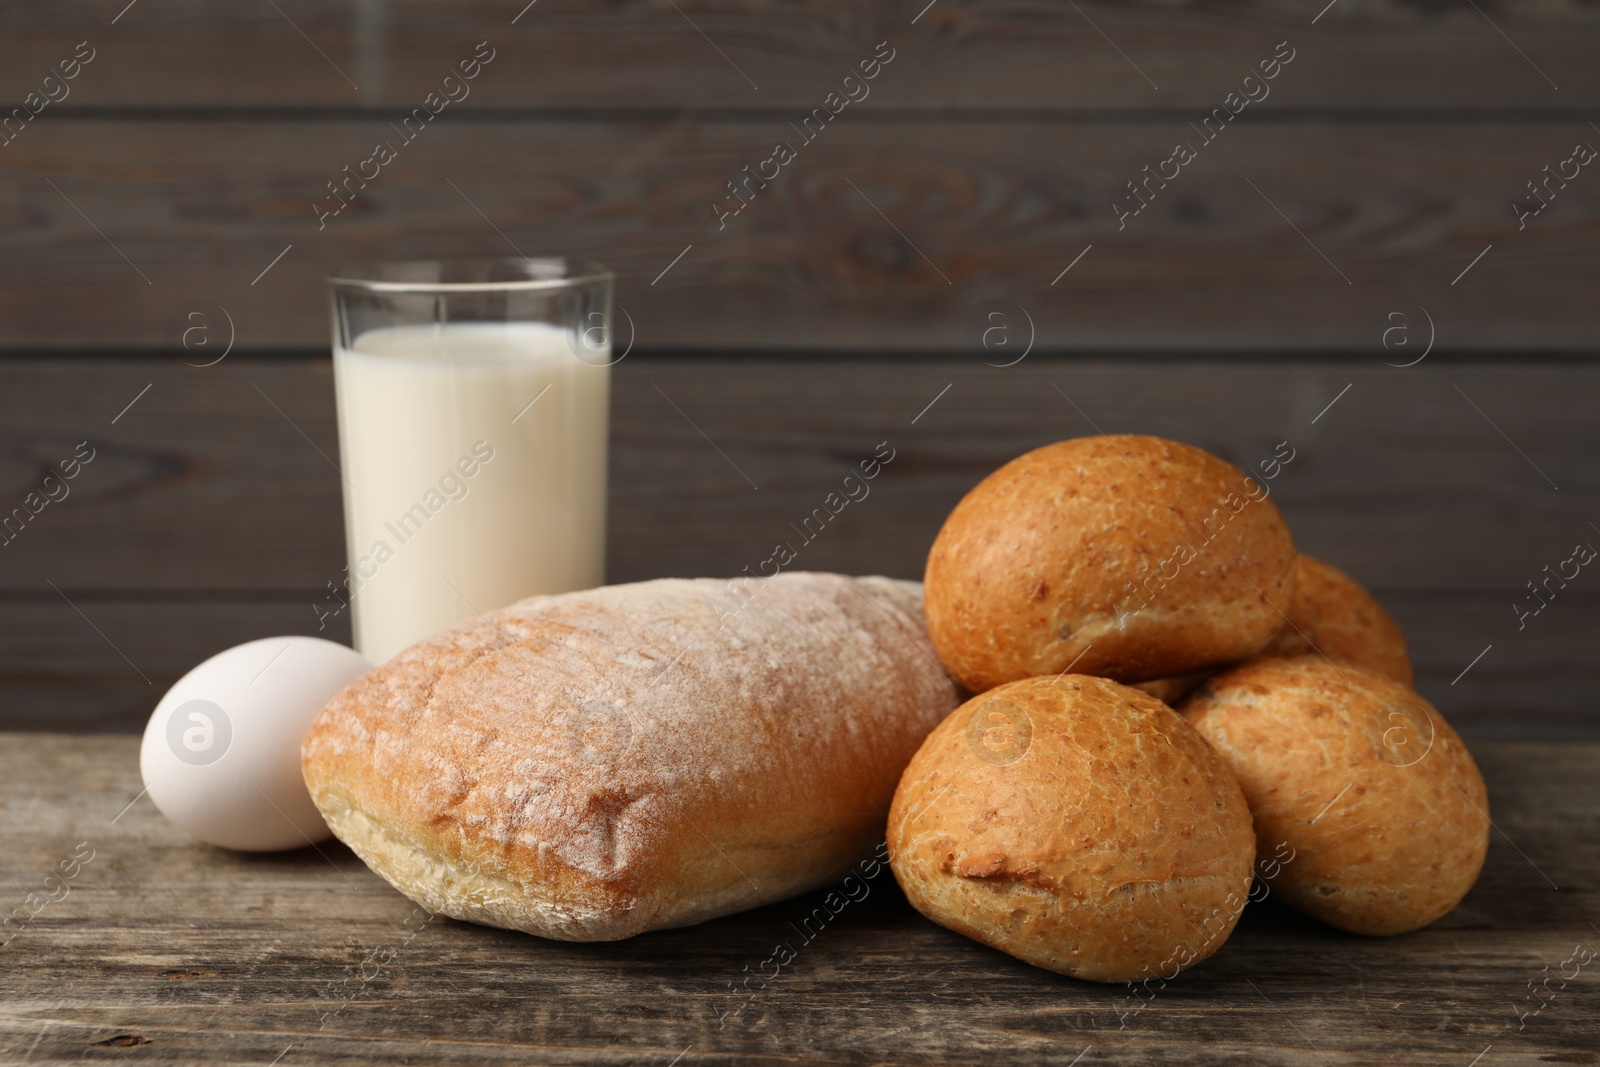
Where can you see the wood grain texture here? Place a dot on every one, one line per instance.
(104, 669)
(222, 479)
(886, 235)
(168, 951)
(206, 517)
(960, 53)
(101, 663)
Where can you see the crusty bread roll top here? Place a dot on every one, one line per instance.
(1123, 556)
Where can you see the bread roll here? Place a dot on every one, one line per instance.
(1333, 614)
(1356, 779)
(1330, 613)
(1120, 556)
(1077, 824)
(597, 764)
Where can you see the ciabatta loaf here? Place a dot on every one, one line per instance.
(593, 765)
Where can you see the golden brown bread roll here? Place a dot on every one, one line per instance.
(593, 765)
(1330, 613)
(1121, 556)
(1334, 614)
(1369, 789)
(1077, 824)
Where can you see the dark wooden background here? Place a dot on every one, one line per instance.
(830, 313)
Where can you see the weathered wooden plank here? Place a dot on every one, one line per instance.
(105, 669)
(899, 235)
(961, 53)
(101, 663)
(207, 519)
(206, 483)
(1530, 683)
(182, 953)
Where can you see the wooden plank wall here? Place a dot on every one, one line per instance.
(1369, 199)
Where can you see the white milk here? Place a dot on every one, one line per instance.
(459, 498)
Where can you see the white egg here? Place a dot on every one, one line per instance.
(221, 756)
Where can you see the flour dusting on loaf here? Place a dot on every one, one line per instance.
(593, 765)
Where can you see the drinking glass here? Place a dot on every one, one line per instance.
(473, 398)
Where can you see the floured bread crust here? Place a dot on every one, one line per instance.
(1361, 790)
(1123, 556)
(1077, 824)
(1333, 614)
(593, 765)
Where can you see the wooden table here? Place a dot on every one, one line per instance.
(163, 950)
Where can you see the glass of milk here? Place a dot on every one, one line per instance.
(473, 398)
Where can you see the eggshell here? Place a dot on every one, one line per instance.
(221, 754)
